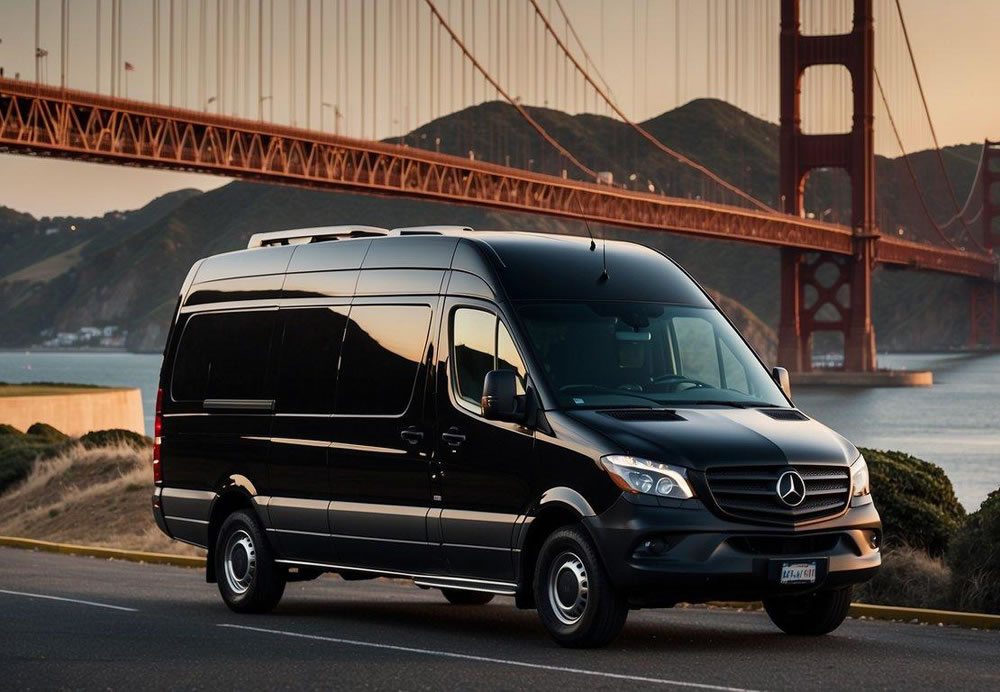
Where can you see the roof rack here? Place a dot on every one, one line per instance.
(313, 235)
(429, 230)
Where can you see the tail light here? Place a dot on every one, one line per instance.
(157, 437)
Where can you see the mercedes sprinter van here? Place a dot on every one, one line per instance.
(495, 413)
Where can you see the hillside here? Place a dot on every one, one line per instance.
(126, 269)
(97, 496)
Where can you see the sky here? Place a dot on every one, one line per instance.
(369, 73)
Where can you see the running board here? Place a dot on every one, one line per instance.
(468, 585)
(427, 581)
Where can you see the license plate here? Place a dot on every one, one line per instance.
(798, 573)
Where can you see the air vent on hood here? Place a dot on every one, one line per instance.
(784, 414)
(642, 414)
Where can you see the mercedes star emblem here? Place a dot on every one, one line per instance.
(791, 488)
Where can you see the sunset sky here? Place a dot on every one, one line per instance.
(633, 44)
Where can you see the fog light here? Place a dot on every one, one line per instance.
(651, 547)
(873, 540)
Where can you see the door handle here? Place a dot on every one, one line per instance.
(411, 435)
(453, 437)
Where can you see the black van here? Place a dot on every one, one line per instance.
(575, 425)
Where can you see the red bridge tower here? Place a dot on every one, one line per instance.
(854, 152)
(984, 303)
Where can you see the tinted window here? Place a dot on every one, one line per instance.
(223, 355)
(508, 358)
(473, 349)
(481, 343)
(610, 353)
(382, 351)
(307, 364)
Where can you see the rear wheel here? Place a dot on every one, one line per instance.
(248, 578)
(576, 601)
(463, 597)
(812, 614)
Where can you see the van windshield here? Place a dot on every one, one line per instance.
(600, 354)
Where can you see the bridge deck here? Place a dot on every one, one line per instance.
(49, 121)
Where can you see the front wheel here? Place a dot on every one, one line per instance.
(249, 580)
(812, 614)
(464, 597)
(576, 601)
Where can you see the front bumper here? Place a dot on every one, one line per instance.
(668, 551)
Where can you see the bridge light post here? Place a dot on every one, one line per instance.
(260, 106)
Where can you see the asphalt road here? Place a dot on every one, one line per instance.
(72, 622)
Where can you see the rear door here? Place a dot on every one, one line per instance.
(487, 467)
(381, 450)
(221, 404)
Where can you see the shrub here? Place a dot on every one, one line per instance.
(915, 499)
(110, 438)
(18, 452)
(974, 557)
(909, 577)
(46, 432)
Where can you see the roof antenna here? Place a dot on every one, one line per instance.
(593, 243)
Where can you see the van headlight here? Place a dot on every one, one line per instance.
(859, 478)
(635, 475)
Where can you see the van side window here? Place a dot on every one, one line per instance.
(223, 355)
(481, 343)
(307, 362)
(473, 349)
(381, 356)
(508, 358)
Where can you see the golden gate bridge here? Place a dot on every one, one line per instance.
(322, 93)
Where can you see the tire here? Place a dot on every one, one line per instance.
(576, 601)
(463, 597)
(810, 615)
(248, 578)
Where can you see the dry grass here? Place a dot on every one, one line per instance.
(98, 496)
(909, 577)
(51, 389)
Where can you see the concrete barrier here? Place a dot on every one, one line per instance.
(107, 553)
(76, 413)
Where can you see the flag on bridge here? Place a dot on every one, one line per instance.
(129, 67)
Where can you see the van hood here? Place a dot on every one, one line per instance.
(698, 438)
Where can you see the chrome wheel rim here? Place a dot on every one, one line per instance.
(568, 588)
(240, 562)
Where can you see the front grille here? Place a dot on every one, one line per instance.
(750, 492)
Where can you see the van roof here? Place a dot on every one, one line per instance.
(528, 266)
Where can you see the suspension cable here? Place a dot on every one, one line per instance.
(520, 109)
(930, 124)
(909, 166)
(642, 131)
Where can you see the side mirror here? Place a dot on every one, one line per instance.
(500, 400)
(780, 376)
